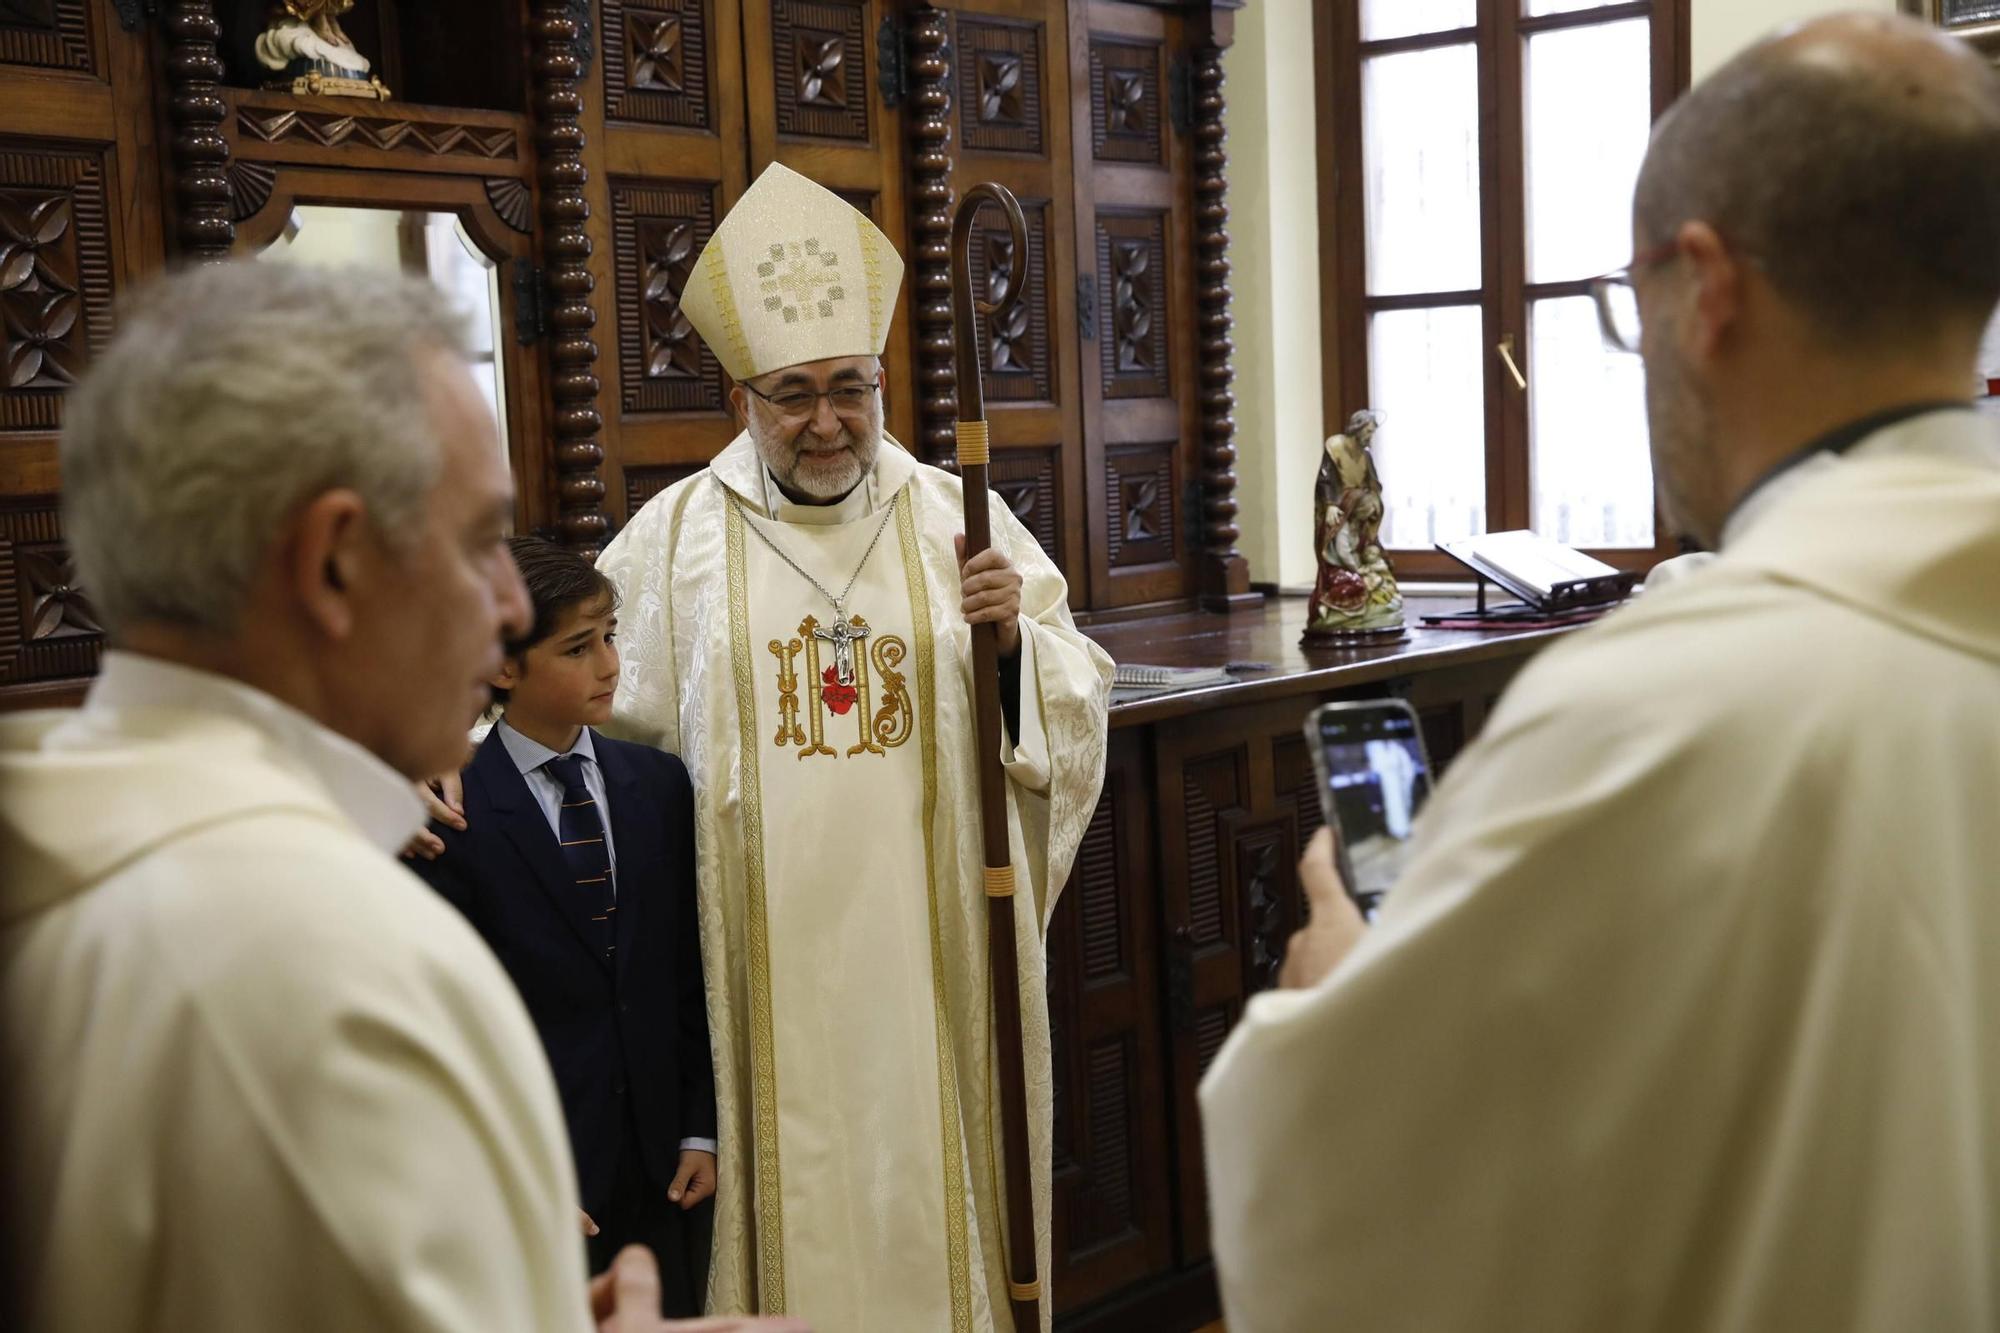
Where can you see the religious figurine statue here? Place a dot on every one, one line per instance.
(1355, 598)
(304, 47)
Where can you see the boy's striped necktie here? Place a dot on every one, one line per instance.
(580, 830)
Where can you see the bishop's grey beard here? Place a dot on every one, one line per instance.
(820, 467)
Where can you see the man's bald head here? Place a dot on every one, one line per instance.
(1856, 161)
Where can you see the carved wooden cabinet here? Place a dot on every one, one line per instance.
(1177, 912)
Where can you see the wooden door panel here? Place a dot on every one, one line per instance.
(79, 225)
(1134, 245)
(812, 84)
(1113, 1227)
(668, 106)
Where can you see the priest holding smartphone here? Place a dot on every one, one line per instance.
(1680, 1016)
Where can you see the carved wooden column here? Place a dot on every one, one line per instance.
(1223, 575)
(930, 227)
(572, 352)
(200, 151)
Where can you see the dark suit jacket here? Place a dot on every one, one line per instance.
(635, 1027)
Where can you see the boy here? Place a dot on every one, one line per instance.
(578, 868)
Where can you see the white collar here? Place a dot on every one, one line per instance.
(529, 755)
(1946, 434)
(380, 801)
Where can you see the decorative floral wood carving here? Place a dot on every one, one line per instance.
(658, 228)
(1139, 485)
(38, 289)
(1141, 497)
(657, 52)
(656, 62)
(820, 57)
(1124, 97)
(1258, 859)
(1132, 317)
(1007, 337)
(1125, 103)
(667, 246)
(1025, 478)
(1020, 500)
(1000, 87)
(48, 630)
(999, 68)
(1132, 342)
(57, 607)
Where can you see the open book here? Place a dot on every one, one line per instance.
(1543, 573)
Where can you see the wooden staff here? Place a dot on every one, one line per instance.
(1023, 1287)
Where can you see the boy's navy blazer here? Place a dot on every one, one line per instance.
(631, 1028)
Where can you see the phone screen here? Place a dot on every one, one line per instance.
(1376, 780)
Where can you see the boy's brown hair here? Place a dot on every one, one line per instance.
(557, 579)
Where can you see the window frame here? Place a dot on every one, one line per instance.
(1499, 34)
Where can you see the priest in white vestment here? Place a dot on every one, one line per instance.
(1681, 1016)
(795, 627)
(253, 1074)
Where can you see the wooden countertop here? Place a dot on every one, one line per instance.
(1271, 636)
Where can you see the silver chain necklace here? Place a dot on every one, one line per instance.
(842, 636)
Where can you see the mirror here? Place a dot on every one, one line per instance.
(431, 245)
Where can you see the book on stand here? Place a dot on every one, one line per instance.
(1548, 577)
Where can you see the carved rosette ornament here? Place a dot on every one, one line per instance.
(930, 262)
(572, 351)
(1224, 574)
(200, 152)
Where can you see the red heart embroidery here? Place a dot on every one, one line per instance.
(838, 697)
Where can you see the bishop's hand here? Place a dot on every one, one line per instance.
(992, 593)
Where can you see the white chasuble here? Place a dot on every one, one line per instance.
(1681, 1016)
(843, 913)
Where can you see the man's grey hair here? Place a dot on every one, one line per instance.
(232, 395)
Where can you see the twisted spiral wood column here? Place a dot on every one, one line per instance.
(1224, 576)
(200, 151)
(930, 226)
(570, 317)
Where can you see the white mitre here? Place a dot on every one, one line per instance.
(794, 273)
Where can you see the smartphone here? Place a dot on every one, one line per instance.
(1373, 780)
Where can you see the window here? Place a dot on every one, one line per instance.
(1477, 159)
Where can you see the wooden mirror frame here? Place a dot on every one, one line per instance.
(495, 234)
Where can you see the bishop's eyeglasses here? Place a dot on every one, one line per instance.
(799, 404)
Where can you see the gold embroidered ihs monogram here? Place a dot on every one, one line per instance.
(880, 726)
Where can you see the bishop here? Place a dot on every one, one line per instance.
(842, 911)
